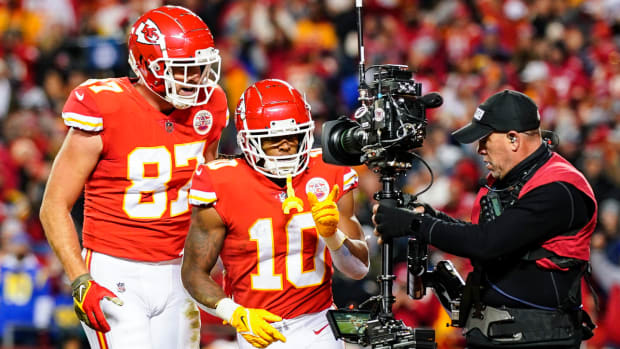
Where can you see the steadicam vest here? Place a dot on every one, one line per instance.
(576, 244)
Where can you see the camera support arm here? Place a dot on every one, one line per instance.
(391, 197)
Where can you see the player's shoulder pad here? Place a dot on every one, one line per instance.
(218, 100)
(208, 180)
(221, 165)
(90, 101)
(316, 152)
(218, 93)
(216, 108)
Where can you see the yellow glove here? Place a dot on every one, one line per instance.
(253, 324)
(291, 201)
(326, 217)
(325, 213)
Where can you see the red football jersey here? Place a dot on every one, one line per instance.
(272, 260)
(136, 198)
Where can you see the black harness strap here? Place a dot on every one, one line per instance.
(471, 295)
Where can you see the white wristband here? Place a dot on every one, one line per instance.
(225, 308)
(336, 240)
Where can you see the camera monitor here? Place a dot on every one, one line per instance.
(350, 325)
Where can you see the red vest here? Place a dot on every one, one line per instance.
(572, 246)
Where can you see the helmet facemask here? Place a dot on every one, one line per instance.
(251, 141)
(207, 60)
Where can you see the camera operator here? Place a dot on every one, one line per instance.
(529, 237)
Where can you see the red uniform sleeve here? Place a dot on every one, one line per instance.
(202, 192)
(350, 180)
(81, 110)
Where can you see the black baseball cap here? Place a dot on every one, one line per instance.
(502, 112)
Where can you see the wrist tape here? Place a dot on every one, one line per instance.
(336, 240)
(225, 308)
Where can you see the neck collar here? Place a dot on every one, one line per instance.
(525, 168)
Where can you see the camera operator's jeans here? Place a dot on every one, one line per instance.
(305, 331)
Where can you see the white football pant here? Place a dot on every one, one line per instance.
(156, 314)
(310, 331)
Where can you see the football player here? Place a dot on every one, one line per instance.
(133, 146)
(279, 219)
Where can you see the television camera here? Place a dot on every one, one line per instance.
(390, 123)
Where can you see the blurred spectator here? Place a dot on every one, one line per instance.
(607, 276)
(563, 54)
(609, 227)
(592, 164)
(460, 201)
(64, 327)
(26, 300)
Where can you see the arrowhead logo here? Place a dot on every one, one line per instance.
(148, 33)
(79, 96)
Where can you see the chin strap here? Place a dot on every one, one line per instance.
(280, 167)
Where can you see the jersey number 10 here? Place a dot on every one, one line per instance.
(266, 278)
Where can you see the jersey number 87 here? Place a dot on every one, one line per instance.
(157, 185)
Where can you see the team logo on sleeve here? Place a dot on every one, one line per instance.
(319, 187)
(203, 120)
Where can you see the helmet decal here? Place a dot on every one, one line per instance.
(240, 111)
(149, 34)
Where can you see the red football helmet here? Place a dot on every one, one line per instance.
(169, 40)
(273, 108)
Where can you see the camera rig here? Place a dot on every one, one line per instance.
(390, 123)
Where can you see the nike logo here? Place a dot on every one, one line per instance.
(79, 96)
(80, 290)
(243, 321)
(317, 332)
(199, 170)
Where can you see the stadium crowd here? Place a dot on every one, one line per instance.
(564, 54)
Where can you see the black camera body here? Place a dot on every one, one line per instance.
(389, 124)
